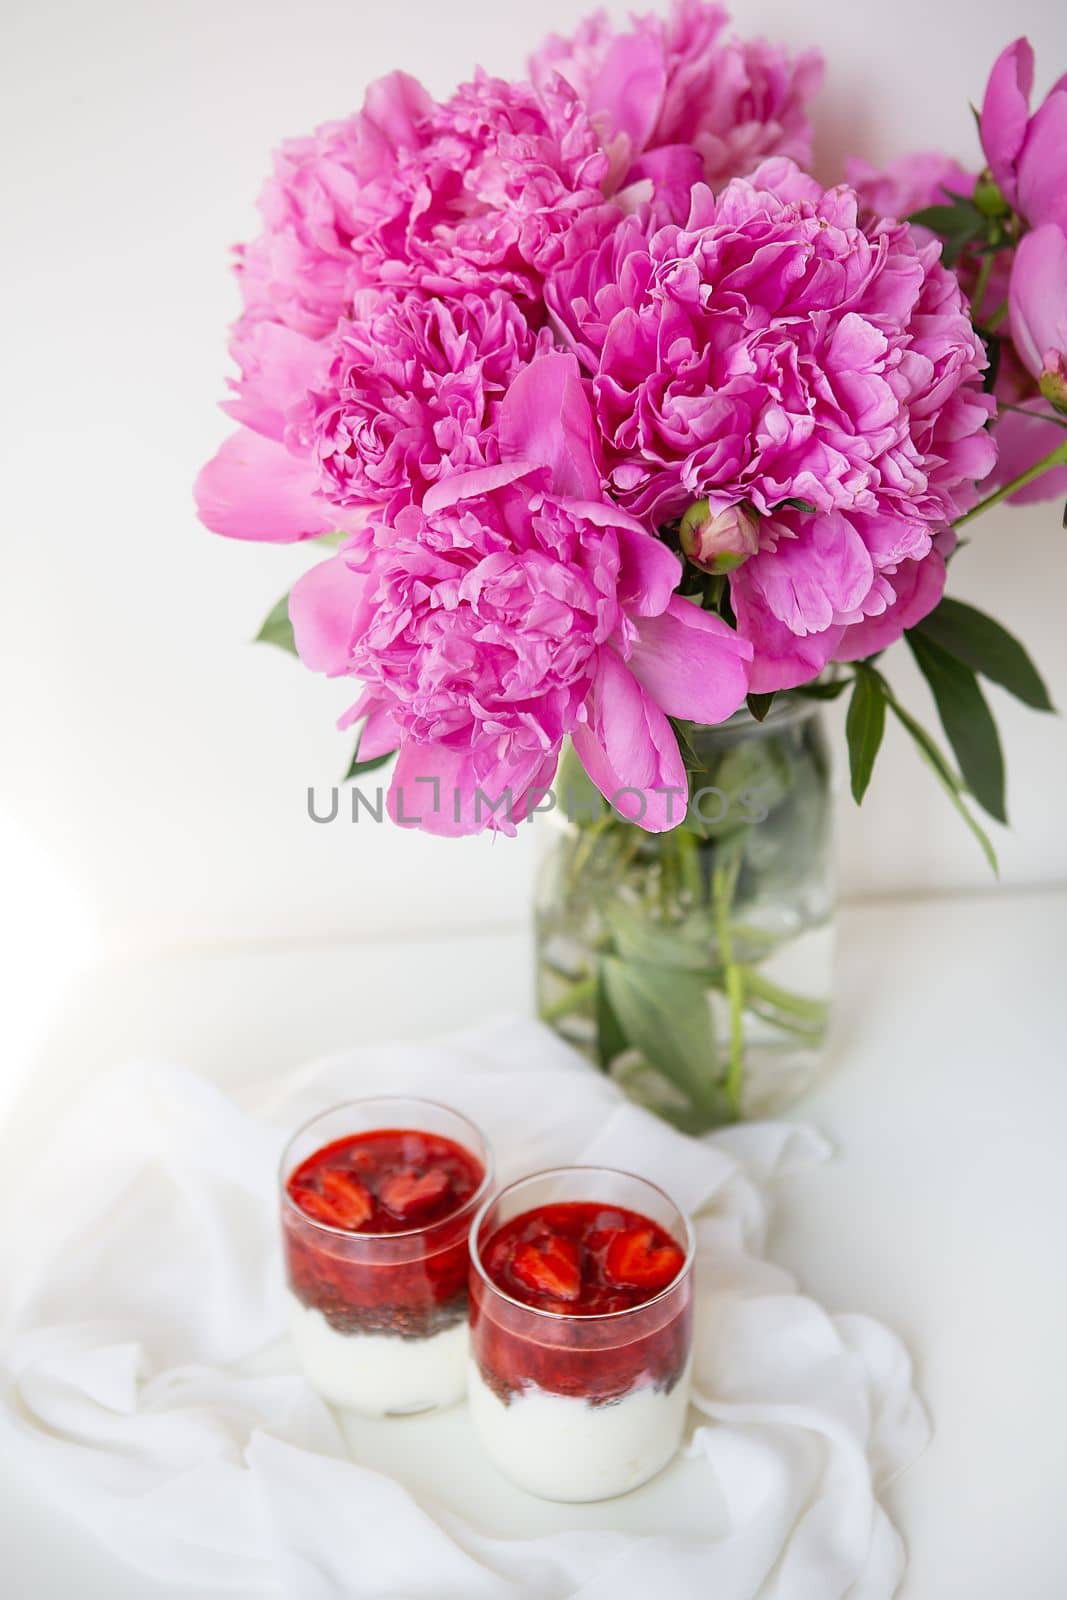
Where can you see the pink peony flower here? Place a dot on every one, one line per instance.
(412, 392)
(325, 192)
(500, 177)
(514, 607)
(676, 101)
(464, 201)
(773, 350)
(911, 183)
(470, 194)
(1027, 154)
(1034, 288)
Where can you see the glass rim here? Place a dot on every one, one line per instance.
(575, 1316)
(474, 1199)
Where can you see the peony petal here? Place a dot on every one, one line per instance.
(919, 586)
(426, 780)
(1006, 112)
(546, 419)
(328, 609)
(627, 744)
(380, 735)
(254, 489)
(781, 659)
(278, 367)
(438, 789)
(1038, 295)
(648, 571)
(1042, 167)
(626, 96)
(692, 664)
(395, 105)
(816, 579)
(672, 170)
(467, 485)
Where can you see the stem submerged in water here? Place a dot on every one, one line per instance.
(653, 949)
(723, 886)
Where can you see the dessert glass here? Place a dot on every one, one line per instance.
(379, 1319)
(570, 1406)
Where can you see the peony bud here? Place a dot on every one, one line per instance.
(718, 539)
(988, 198)
(1053, 381)
(1037, 306)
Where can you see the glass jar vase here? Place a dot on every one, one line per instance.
(695, 966)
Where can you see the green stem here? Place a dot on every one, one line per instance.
(806, 1032)
(572, 999)
(1055, 458)
(690, 862)
(813, 1012)
(588, 838)
(723, 884)
(1042, 416)
(995, 318)
(981, 285)
(749, 933)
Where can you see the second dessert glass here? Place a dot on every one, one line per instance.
(575, 1406)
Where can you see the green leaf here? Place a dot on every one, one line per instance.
(580, 801)
(864, 727)
(798, 504)
(945, 776)
(967, 721)
(277, 629)
(690, 755)
(760, 704)
(666, 1015)
(957, 225)
(823, 691)
(610, 1039)
(681, 947)
(359, 769)
(993, 349)
(971, 636)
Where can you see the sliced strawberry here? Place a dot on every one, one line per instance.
(317, 1207)
(636, 1261)
(553, 1266)
(407, 1193)
(348, 1197)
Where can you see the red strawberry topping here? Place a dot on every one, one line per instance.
(408, 1193)
(551, 1266)
(636, 1260)
(593, 1259)
(316, 1206)
(349, 1198)
(385, 1181)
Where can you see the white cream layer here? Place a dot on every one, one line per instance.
(563, 1448)
(379, 1374)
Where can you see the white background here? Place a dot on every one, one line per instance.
(155, 763)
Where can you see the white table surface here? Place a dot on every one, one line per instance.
(943, 1213)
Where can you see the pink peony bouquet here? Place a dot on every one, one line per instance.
(615, 419)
